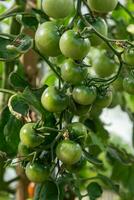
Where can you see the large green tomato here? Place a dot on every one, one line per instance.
(128, 57)
(53, 100)
(102, 6)
(58, 8)
(104, 98)
(128, 84)
(47, 39)
(84, 95)
(100, 26)
(29, 137)
(77, 132)
(37, 172)
(104, 66)
(72, 72)
(69, 152)
(73, 46)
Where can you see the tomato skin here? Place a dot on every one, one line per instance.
(104, 66)
(79, 110)
(23, 150)
(69, 152)
(37, 172)
(73, 46)
(128, 57)
(128, 84)
(104, 99)
(77, 132)
(100, 26)
(29, 137)
(72, 73)
(31, 189)
(58, 9)
(102, 6)
(84, 95)
(47, 39)
(53, 100)
(118, 84)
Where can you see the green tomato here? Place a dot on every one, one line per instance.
(102, 6)
(58, 8)
(72, 72)
(23, 150)
(128, 57)
(100, 26)
(54, 100)
(37, 172)
(77, 166)
(29, 137)
(79, 110)
(73, 46)
(128, 84)
(95, 112)
(118, 84)
(104, 66)
(69, 152)
(47, 39)
(104, 98)
(77, 132)
(84, 95)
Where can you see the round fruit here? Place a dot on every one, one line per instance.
(79, 110)
(104, 99)
(128, 84)
(118, 84)
(100, 26)
(69, 152)
(84, 95)
(47, 39)
(53, 100)
(77, 132)
(102, 6)
(29, 137)
(23, 150)
(104, 66)
(58, 8)
(72, 73)
(128, 57)
(73, 46)
(37, 172)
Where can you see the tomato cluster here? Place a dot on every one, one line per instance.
(81, 91)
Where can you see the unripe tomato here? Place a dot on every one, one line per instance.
(102, 6)
(53, 100)
(77, 132)
(31, 189)
(100, 26)
(104, 98)
(73, 46)
(128, 57)
(58, 8)
(104, 66)
(72, 72)
(118, 84)
(84, 95)
(47, 39)
(69, 152)
(23, 150)
(37, 172)
(128, 84)
(79, 110)
(29, 137)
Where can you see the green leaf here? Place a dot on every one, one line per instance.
(28, 21)
(90, 158)
(94, 190)
(47, 191)
(11, 133)
(16, 81)
(17, 106)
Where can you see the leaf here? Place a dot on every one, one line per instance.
(28, 21)
(11, 133)
(120, 155)
(16, 81)
(47, 191)
(17, 106)
(90, 158)
(94, 190)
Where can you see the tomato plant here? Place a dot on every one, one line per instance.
(61, 63)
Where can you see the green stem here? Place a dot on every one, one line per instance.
(7, 91)
(44, 129)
